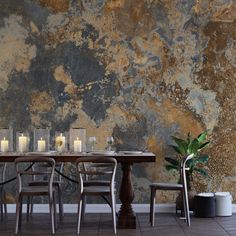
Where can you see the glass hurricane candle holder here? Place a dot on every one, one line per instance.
(92, 141)
(61, 142)
(22, 141)
(6, 140)
(41, 140)
(77, 139)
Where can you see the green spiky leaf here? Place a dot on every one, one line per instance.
(202, 137)
(203, 159)
(172, 161)
(201, 171)
(176, 149)
(181, 144)
(171, 167)
(193, 147)
(203, 145)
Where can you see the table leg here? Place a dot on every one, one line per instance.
(126, 218)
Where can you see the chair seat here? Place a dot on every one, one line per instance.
(166, 186)
(35, 190)
(97, 189)
(56, 184)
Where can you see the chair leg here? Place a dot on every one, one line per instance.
(1, 204)
(113, 209)
(55, 210)
(61, 211)
(20, 217)
(84, 200)
(5, 204)
(186, 206)
(150, 212)
(1, 209)
(51, 208)
(80, 202)
(18, 212)
(29, 203)
(152, 206)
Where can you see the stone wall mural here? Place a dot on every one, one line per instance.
(137, 70)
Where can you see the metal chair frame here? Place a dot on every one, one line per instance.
(57, 181)
(172, 187)
(94, 166)
(25, 190)
(3, 204)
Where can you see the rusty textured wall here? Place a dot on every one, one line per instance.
(140, 70)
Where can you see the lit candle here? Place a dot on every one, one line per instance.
(41, 145)
(60, 143)
(77, 145)
(22, 143)
(4, 145)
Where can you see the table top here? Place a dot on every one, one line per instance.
(129, 157)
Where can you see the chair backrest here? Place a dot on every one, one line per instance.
(96, 168)
(3, 167)
(44, 166)
(23, 163)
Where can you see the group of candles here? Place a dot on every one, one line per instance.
(23, 142)
(75, 139)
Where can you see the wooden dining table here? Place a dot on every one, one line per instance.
(126, 215)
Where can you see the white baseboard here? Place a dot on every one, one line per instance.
(95, 208)
(102, 208)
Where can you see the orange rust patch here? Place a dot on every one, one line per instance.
(173, 114)
(134, 18)
(152, 144)
(197, 8)
(56, 5)
(113, 5)
(41, 102)
(61, 75)
(226, 14)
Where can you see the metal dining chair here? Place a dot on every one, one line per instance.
(182, 186)
(3, 204)
(88, 181)
(91, 173)
(42, 181)
(25, 190)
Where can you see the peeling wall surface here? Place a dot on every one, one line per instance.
(137, 70)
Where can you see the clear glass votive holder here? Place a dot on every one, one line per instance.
(41, 140)
(92, 142)
(61, 141)
(22, 141)
(77, 140)
(6, 140)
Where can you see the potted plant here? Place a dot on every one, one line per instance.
(196, 164)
